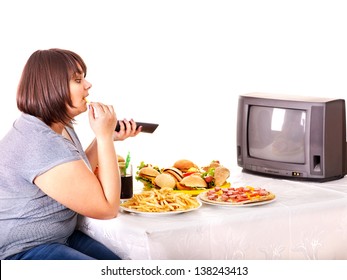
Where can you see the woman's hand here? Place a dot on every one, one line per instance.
(127, 129)
(102, 119)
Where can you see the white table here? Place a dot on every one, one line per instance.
(307, 221)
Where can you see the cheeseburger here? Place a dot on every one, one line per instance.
(192, 182)
(147, 176)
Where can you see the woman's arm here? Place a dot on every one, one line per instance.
(74, 185)
(127, 129)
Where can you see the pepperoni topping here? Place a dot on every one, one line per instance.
(236, 195)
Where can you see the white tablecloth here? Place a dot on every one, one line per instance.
(307, 221)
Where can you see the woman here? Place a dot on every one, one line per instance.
(46, 179)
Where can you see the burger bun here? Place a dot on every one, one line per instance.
(174, 172)
(148, 171)
(192, 182)
(184, 165)
(165, 181)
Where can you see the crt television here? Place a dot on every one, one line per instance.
(292, 137)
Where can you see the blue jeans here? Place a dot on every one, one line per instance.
(79, 246)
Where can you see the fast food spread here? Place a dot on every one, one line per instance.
(183, 176)
(236, 196)
(161, 200)
(172, 189)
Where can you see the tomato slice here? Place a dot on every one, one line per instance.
(188, 173)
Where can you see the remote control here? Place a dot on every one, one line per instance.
(146, 127)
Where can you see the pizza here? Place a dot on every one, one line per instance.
(236, 196)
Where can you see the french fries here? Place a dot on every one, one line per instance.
(161, 200)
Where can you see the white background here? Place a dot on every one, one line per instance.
(180, 63)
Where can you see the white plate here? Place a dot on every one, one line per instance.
(168, 213)
(228, 204)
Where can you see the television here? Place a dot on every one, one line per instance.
(292, 137)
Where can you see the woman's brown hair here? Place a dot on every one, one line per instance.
(43, 90)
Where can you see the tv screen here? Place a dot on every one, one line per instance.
(277, 134)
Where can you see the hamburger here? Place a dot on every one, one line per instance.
(165, 180)
(192, 182)
(175, 173)
(184, 165)
(147, 176)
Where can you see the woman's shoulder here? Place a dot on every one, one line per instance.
(28, 123)
(37, 137)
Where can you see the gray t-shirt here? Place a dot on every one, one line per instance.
(28, 217)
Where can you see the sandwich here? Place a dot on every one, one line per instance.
(147, 176)
(192, 182)
(221, 174)
(216, 176)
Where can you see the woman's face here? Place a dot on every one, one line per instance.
(79, 87)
